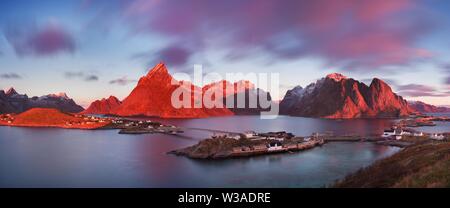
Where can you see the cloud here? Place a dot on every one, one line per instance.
(73, 74)
(10, 76)
(43, 40)
(122, 81)
(91, 78)
(417, 90)
(446, 71)
(81, 75)
(173, 55)
(351, 34)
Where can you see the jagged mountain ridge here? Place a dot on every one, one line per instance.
(427, 108)
(337, 96)
(103, 106)
(13, 102)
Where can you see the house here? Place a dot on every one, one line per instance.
(249, 134)
(218, 135)
(233, 136)
(271, 138)
(419, 134)
(388, 133)
(437, 136)
(236, 137)
(396, 133)
(280, 139)
(258, 138)
(274, 146)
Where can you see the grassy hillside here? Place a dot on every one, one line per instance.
(424, 165)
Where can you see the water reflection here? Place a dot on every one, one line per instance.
(35, 157)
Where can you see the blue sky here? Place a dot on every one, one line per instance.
(91, 49)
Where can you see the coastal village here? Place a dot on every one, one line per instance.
(228, 145)
(43, 117)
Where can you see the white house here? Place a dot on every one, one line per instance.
(280, 139)
(418, 134)
(397, 133)
(437, 136)
(249, 134)
(274, 146)
(234, 136)
(388, 133)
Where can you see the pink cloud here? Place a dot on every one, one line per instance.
(417, 90)
(174, 55)
(353, 34)
(45, 40)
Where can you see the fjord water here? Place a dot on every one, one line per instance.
(45, 157)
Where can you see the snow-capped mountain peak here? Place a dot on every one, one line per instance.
(336, 77)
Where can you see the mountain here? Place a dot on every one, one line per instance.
(13, 102)
(103, 106)
(337, 96)
(11, 92)
(427, 108)
(152, 97)
(243, 91)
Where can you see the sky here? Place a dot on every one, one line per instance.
(92, 49)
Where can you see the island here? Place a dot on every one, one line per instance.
(247, 144)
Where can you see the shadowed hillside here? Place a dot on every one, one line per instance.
(423, 165)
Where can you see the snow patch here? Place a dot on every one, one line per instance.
(336, 77)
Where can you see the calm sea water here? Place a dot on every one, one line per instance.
(44, 157)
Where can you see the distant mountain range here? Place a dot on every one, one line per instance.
(427, 108)
(334, 96)
(13, 102)
(152, 97)
(337, 96)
